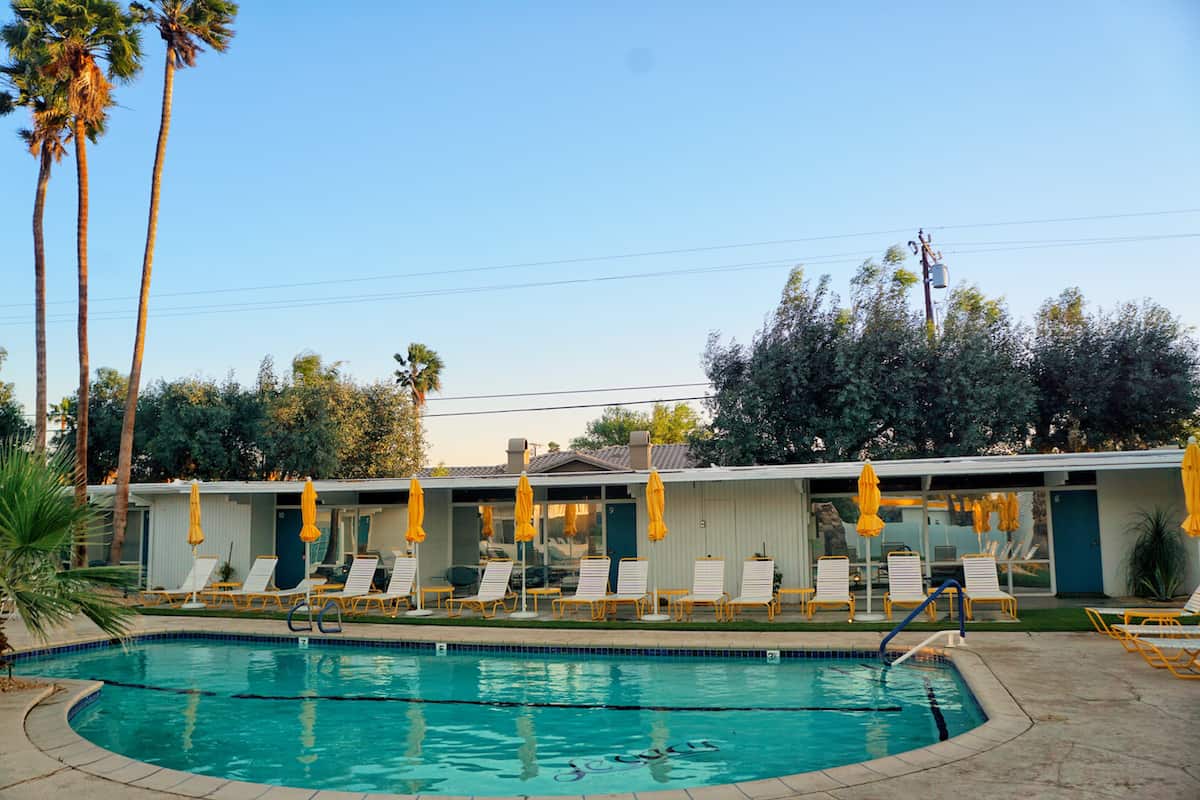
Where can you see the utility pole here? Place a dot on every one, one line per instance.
(923, 247)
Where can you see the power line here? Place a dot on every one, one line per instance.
(564, 408)
(638, 254)
(568, 391)
(290, 304)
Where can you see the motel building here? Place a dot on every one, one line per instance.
(1071, 536)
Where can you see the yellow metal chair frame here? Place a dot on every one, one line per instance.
(772, 605)
(596, 607)
(1007, 605)
(482, 605)
(1150, 617)
(814, 604)
(362, 603)
(1185, 665)
(637, 603)
(685, 608)
(889, 603)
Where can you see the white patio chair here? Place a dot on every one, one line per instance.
(758, 588)
(983, 585)
(1164, 614)
(633, 574)
(399, 588)
(358, 583)
(493, 588)
(708, 588)
(833, 585)
(255, 584)
(197, 578)
(906, 584)
(592, 589)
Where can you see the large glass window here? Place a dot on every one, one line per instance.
(573, 530)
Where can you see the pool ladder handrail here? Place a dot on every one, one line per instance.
(962, 624)
(295, 627)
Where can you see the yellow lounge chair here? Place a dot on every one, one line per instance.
(1147, 615)
(833, 585)
(592, 590)
(255, 584)
(399, 588)
(758, 588)
(1181, 657)
(983, 585)
(358, 583)
(197, 578)
(632, 577)
(906, 583)
(708, 588)
(493, 589)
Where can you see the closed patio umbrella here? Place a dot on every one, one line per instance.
(524, 533)
(414, 536)
(1191, 487)
(869, 523)
(487, 527)
(570, 528)
(980, 519)
(195, 537)
(309, 533)
(656, 530)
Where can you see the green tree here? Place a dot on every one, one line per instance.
(67, 41)
(1127, 378)
(186, 26)
(420, 373)
(376, 426)
(46, 140)
(39, 523)
(613, 427)
(12, 417)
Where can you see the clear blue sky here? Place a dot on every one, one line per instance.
(387, 138)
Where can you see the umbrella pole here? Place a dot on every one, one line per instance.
(307, 585)
(654, 615)
(870, 615)
(524, 613)
(193, 575)
(420, 610)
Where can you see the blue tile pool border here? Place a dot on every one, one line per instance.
(755, 654)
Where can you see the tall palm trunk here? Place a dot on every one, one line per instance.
(125, 456)
(81, 247)
(39, 296)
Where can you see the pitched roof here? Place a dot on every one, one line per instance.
(605, 459)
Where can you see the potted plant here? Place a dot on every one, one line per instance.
(1157, 562)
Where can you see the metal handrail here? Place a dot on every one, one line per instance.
(962, 625)
(299, 605)
(321, 618)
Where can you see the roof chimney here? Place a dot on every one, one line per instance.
(518, 456)
(639, 449)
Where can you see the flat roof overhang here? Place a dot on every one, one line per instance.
(1166, 458)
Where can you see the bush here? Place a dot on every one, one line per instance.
(1158, 561)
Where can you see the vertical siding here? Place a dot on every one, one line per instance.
(1119, 496)
(730, 520)
(224, 522)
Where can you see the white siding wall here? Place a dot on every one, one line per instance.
(1120, 494)
(389, 526)
(224, 521)
(730, 520)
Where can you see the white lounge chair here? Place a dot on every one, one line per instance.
(1127, 614)
(493, 588)
(278, 596)
(197, 578)
(632, 576)
(833, 585)
(1180, 656)
(708, 588)
(358, 583)
(592, 589)
(983, 586)
(399, 588)
(758, 588)
(255, 584)
(906, 584)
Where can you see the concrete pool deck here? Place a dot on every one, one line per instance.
(1072, 716)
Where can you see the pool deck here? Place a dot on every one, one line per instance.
(1071, 716)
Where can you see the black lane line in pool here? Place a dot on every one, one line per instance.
(498, 703)
(939, 719)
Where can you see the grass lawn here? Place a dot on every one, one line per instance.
(1032, 620)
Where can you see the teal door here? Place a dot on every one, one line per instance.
(290, 568)
(1077, 568)
(622, 536)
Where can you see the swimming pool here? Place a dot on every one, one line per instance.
(501, 721)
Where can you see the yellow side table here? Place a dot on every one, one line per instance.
(673, 596)
(543, 591)
(951, 594)
(439, 593)
(803, 594)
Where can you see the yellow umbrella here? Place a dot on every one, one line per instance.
(195, 537)
(487, 530)
(980, 519)
(525, 532)
(1010, 513)
(869, 523)
(1191, 487)
(569, 526)
(414, 536)
(309, 533)
(656, 529)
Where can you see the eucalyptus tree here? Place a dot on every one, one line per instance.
(186, 26)
(67, 41)
(46, 139)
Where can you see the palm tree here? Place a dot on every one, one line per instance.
(39, 523)
(46, 141)
(420, 373)
(66, 40)
(185, 26)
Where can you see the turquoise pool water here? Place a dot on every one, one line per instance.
(407, 721)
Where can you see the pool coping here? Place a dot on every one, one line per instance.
(47, 726)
